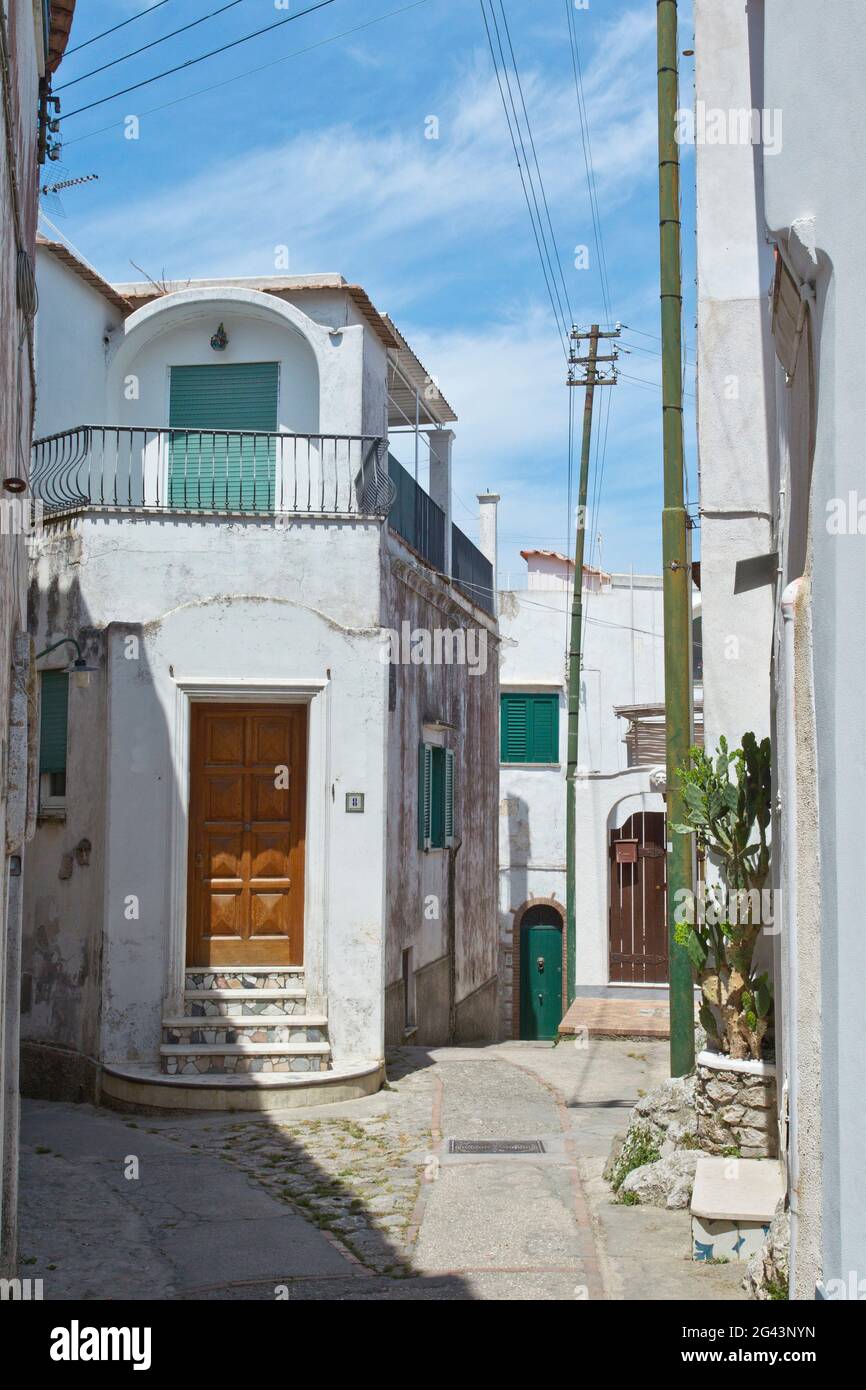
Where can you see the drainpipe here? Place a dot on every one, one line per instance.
(789, 835)
(488, 503)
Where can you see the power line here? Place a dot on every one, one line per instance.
(535, 157)
(252, 72)
(114, 28)
(588, 160)
(153, 44)
(538, 231)
(202, 57)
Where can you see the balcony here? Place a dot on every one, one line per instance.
(417, 519)
(211, 471)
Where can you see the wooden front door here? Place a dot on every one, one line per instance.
(638, 912)
(246, 835)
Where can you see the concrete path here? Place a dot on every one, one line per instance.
(364, 1201)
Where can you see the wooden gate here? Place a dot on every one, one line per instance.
(638, 916)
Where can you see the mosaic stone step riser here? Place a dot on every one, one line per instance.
(236, 1066)
(233, 979)
(267, 1033)
(229, 1008)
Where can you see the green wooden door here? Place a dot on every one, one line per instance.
(229, 472)
(540, 980)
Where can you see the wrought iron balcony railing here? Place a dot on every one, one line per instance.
(224, 471)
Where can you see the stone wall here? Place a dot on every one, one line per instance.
(737, 1111)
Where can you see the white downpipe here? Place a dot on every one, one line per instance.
(789, 823)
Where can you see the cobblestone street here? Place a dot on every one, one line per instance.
(363, 1200)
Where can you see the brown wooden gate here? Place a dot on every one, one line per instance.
(638, 917)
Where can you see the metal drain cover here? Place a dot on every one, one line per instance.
(495, 1146)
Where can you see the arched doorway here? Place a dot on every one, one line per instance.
(638, 934)
(540, 1002)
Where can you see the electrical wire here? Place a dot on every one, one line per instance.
(252, 72)
(538, 231)
(588, 160)
(153, 44)
(201, 58)
(114, 28)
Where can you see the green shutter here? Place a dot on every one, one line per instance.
(425, 788)
(449, 797)
(529, 728)
(53, 721)
(232, 474)
(437, 798)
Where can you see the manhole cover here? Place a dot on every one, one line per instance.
(495, 1146)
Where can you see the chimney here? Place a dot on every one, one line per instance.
(487, 535)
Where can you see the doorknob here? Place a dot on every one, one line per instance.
(540, 997)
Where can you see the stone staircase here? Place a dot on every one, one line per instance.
(241, 1021)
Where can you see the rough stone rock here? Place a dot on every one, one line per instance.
(673, 1102)
(767, 1272)
(736, 1111)
(666, 1183)
(682, 1134)
(613, 1156)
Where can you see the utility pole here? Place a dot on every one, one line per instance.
(590, 380)
(675, 545)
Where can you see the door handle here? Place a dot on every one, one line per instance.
(540, 997)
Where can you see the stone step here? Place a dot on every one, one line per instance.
(259, 1028)
(244, 977)
(230, 1003)
(242, 1058)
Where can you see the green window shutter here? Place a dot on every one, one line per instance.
(231, 473)
(449, 797)
(437, 798)
(529, 728)
(425, 790)
(514, 720)
(53, 721)
(544, 743)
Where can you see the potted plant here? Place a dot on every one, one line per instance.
(727, 809)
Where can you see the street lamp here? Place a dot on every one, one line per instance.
(79, 670)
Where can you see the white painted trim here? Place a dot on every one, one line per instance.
(309, 691)
(719, 1061)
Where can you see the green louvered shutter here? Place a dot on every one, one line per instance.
(425, 794)
(231, 474)
(544, 741)
(449, 797)
(529, 728)
(53, 721)
(514, 720)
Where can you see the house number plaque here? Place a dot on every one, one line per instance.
(355, 801)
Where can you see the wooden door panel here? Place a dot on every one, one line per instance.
(638, 911)
(246, 843)
(268, 802)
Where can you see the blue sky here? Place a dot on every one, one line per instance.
(325, 152)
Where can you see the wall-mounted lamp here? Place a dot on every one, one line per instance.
(220, 340)
(79, 670)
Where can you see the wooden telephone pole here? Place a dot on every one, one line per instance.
(675, 543)
(590, 379)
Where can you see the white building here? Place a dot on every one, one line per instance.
(262, 847)
(621, 933)
(782, 296)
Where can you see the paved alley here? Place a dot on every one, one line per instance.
(365, 1200)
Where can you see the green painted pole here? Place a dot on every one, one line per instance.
(574, 674)
(675, 551)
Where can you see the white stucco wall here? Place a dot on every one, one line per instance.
(222, 602)
(622, 664)
(72, 330)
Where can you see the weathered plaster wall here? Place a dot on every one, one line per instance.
(71, 347)
(16, 399)
(456, 706)
(622, 664)
(811, 195)
(222, 601)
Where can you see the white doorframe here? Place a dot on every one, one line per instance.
(313, 693)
